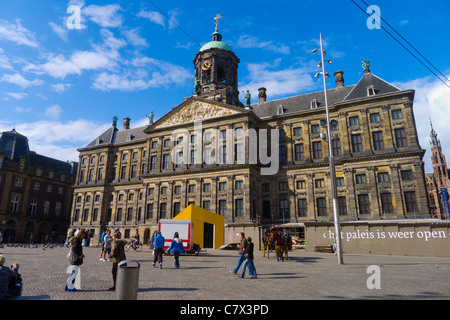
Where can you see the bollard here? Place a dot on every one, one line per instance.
(127, 282)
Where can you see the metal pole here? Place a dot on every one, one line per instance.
(337, 227)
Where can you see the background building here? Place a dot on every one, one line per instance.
(438, 183)
(133, 177)
(35, 192)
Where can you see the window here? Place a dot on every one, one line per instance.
(321, 207)
(406, 174)
(177, 190)
(207, 187)
(222, 186)
(315, 128)
(342, 206)
(370, 90)
(363, 203)
(319, 183)
(154, 144)
(336, 147)
(280, 110)
(18, 183)
(179, 159)
(33, 206)
(317, 150)
(36, 186)
(301, 184)
(166, 143)
(191, 188)
(383, 177)
(60, 190)
(193, 159)
(94, 213)
(150, 191)
(100, 173)
(334, 125)
(239, 184)
(281, 133)
(302, 208)
(123, 172)
(265, 187)
(313, 104)
(193, 138)
(356, 143)
(298, 132)
(49, 188)
(81, 175)
(177, 208)
(125, 157)
(14, 203)
(299, 156)
(130, 214)
(222, 207)
(46, 208)
(360, 178)
(284, 209)
(378, 143)
(386, 203)
(208, 156)
(283, 186)
(153, 163)
(410, 201)
(283, 154)
(97, 198)
(135, 155)
(102, 159)
(374, 117)
(208, 136)
(223, 134)
(162, 210)
(239, 208)
(397, 114)
(340, 182)
(353, 121)
(91, 174)
(400, 137)
(149, 213)
(207, 204)
(165, 161)
(223, 155)
(239, 148)
(163, 190)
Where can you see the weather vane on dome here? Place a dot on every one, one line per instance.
(217, 21)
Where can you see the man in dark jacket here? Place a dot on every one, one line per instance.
(118, 255)
(249, 260)
(158, 249)
(241, 250)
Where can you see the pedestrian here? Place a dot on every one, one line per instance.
(158, 249)
(249, 260)
(241, 250)
(176, 247)
(108, 239)
(102, 244)
(76, 257)
(70, 234)
(118, 255)
(8, 278)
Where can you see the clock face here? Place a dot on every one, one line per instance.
(206, 65)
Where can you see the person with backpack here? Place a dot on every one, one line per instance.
(158, 249)
(176, 247)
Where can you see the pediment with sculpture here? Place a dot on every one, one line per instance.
(195, 111)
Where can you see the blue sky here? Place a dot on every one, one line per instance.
(61, 87)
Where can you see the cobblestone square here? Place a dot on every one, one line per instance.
(302, 276)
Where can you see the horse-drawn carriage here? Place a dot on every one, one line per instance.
(281, 242)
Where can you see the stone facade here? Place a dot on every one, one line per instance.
(203, 152)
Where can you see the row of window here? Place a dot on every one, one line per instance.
(33, 208)
(162, 213)
(363, 204)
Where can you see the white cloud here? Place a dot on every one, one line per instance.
(57, 139)
(4, 61)
(279, 82)
(134, 38)
(247, 41)
(22, 110)
(15, 95)
(60, 31)
(17, 33)
(432, 98)
(60, 87)
(59, 67)
(105, 16)
(153, 16)
(53, 112)
(20, 81)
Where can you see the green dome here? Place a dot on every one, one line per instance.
(216, 43)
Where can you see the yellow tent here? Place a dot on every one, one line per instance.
(208, 227)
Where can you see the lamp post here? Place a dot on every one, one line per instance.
(337, 227)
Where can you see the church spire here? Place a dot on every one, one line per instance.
(435, 143)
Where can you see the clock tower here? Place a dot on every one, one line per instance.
(216, 71)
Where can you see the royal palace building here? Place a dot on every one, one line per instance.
(35, 192)
(256, 164)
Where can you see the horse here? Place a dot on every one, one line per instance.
(274, 240)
